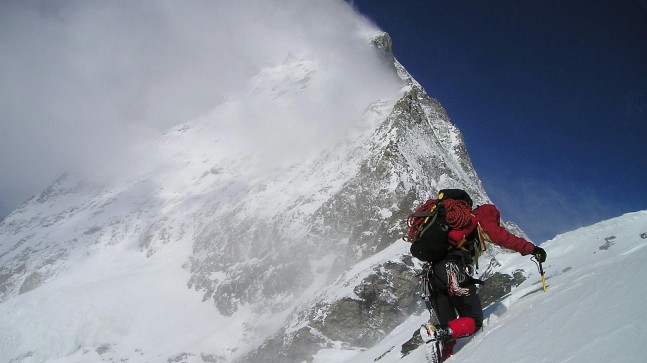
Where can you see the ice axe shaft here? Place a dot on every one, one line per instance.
(543, 278)
(541, 272)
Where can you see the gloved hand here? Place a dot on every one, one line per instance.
(539, 254)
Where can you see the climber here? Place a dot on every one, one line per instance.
(454, 297)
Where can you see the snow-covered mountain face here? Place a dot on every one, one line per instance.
(267, 227)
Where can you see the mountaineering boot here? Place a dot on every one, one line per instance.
(435, 337)
(442, 333)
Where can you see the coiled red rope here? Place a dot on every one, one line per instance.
(457, 216)
(457, 213)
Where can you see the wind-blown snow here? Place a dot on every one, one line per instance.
(83, 83)
(591, 312)
(94, 305)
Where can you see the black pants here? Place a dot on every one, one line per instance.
(454, 293)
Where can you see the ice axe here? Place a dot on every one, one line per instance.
(541, 272)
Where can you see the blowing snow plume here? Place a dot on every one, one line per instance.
(84, 83)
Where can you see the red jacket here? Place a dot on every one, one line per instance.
(490, 218)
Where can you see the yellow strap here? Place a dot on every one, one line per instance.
(433, 207)
(482, 236)
(460, 245)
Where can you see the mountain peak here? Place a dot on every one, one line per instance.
(293, 184)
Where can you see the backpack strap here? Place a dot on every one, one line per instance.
(429, 224)
(482, 237)
(474, 244)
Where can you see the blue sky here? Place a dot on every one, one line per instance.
(551, 97)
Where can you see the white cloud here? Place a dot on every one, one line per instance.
(82, 82)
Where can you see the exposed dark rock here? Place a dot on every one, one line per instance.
(498, 285)
(412, 344)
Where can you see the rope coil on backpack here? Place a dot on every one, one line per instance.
(457, 213)
(457, 216)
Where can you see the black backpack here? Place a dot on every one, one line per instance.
(428, 228)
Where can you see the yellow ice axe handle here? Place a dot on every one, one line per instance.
(543, 278)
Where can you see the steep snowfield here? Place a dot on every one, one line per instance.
(591, 312)
(142, 304)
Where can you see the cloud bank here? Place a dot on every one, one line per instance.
(84, 82)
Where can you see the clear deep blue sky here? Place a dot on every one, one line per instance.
(551, 97)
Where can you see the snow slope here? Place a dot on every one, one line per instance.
(591, 312)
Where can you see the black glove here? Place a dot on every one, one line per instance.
(539, 254)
